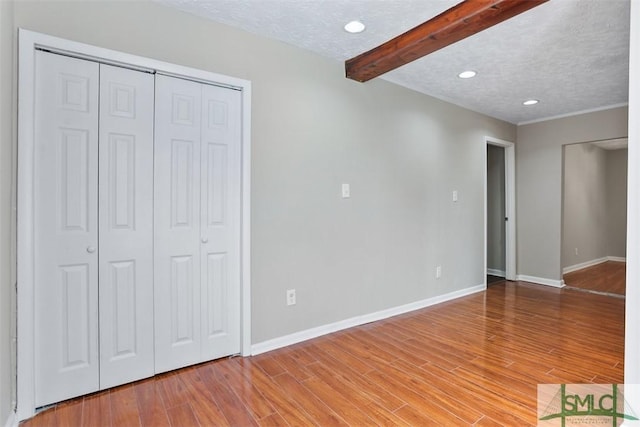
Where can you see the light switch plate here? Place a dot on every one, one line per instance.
(346, 191)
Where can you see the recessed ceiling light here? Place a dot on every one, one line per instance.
(354, 27)
(530, 102)
(467, 74)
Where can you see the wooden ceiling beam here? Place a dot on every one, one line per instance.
(459, 22)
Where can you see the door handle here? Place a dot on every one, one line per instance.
(91, 249)
(204, 240)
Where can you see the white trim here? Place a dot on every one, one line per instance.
(632, 314)
(591, 263)
(108, 56)
(494, 272)
(510, 204)
(25, 243)
(607, 144)
(286, 340)
(12, 420)
(575, 113)
(28, 43)
(582, 265)
(540, 281)
(246, 221)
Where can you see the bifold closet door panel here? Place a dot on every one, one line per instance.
(177, 223)
(66, 228)
(220, 221)
(126, 225)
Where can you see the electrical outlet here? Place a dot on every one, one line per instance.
(576, 251)
(438, 272)
(291, 296)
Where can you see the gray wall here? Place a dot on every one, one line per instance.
(584, 215)
(495, 208)
(402, 152)
(617, 201)
(594, 204)
(6, 266)
(539, 183)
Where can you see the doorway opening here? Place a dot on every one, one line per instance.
(594, 216)
(500, 220)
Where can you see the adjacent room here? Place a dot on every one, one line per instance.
(243, 212)
(594, 216)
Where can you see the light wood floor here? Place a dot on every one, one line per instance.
(473, 361)
(608, 277)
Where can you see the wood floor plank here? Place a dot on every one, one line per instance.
(45, 418)
(487, 422)
(449, 396)
(383, 417)
(398, 350)
(363, 351)
(416, 401)
(523, 395)
(344, 407)
(360, 391)
(327, 346)
(417, 417)
(124, 406)
(246, 390)
(378, 393)
(269, 365)
(171, 389)
(294, 367)
(204, 406)
(152, 409)
(278, 398)
(97, 410)
(300, 354)
(69, 413)
(233, 408)
(273, 420)
(476, 361)
(182, 416)
(320, 412)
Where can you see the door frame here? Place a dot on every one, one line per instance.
(29, 42)
(510, 205)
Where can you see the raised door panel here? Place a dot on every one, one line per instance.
(177, 223)
(220, 221)
(66, 229)
(126, 225)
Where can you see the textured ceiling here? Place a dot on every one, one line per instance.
(572, 55)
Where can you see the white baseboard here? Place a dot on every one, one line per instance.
(12, 420)
(541, 281)
(591, 263)
(494, 272)
(308, 334)
(585, 264)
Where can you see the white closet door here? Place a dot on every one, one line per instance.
(220, 221)
(177, 223)
(126, 225)
(66, 229)
(197, 222)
